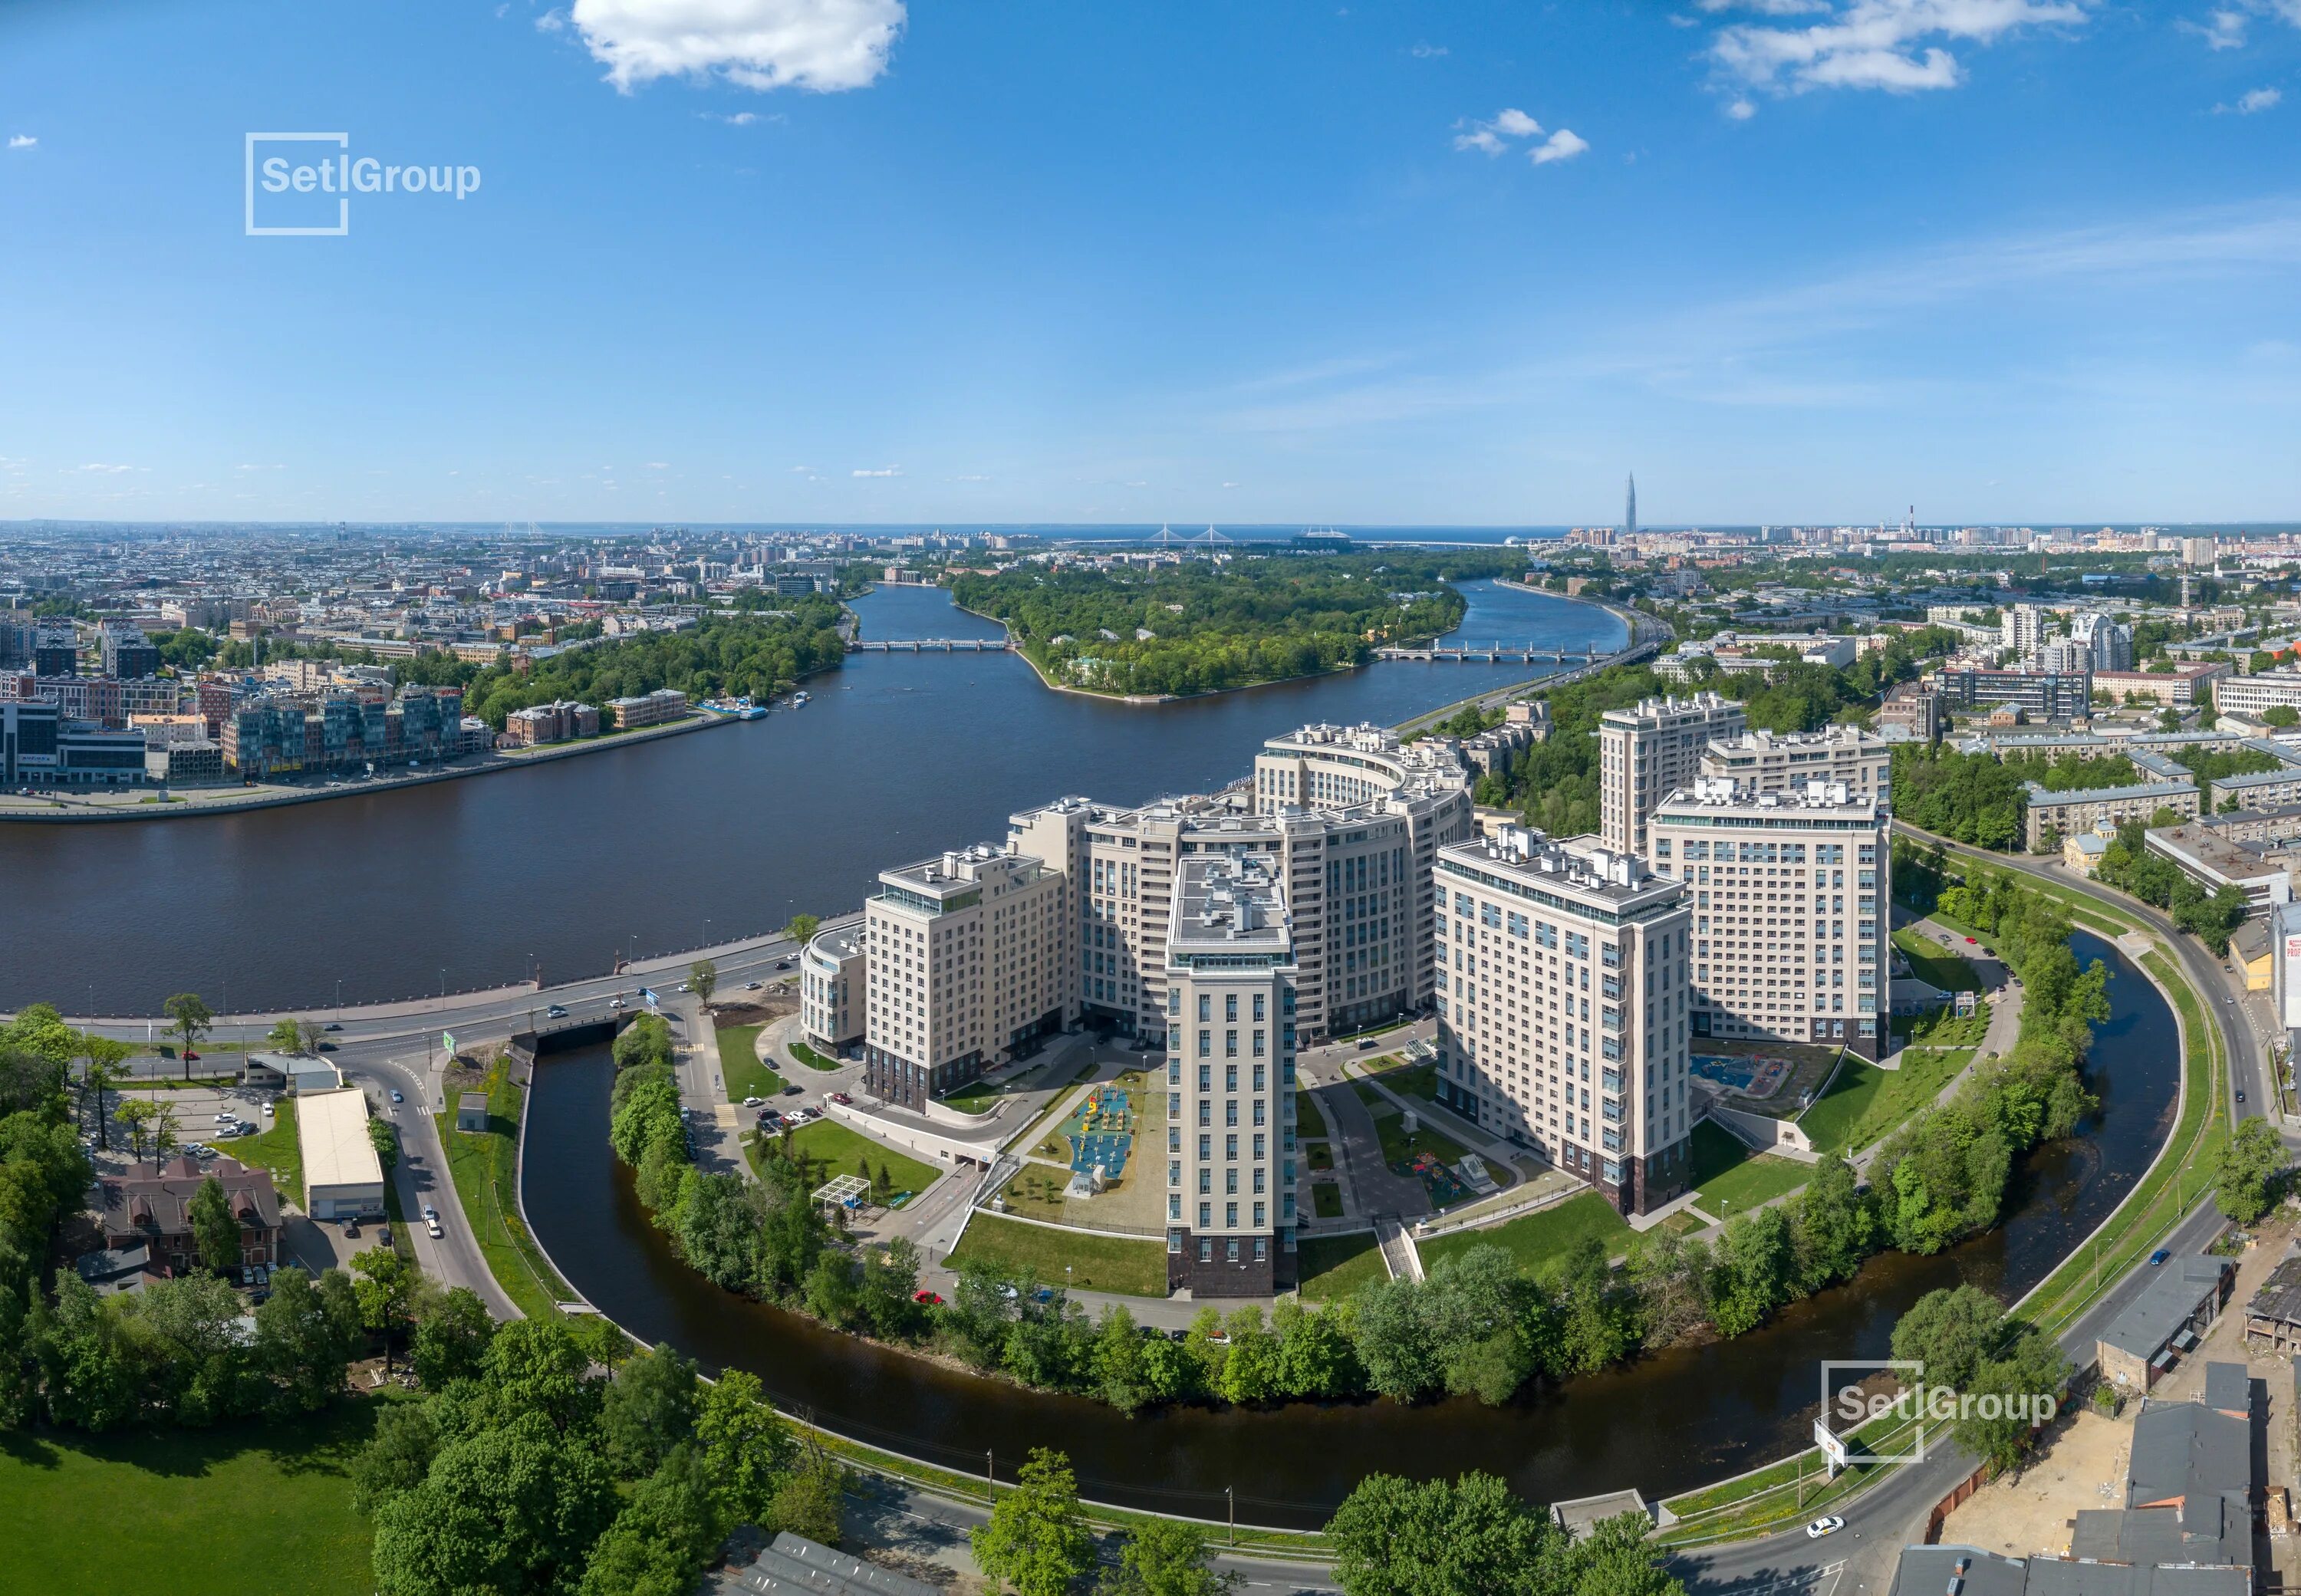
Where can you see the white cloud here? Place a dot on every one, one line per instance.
(22, 141)
(103, 470)
(658, 465)
(1427, 52)
(2252, 100)
(1563, 144)
(1897, 45)
(820, 45)
(2223, 29)
(1741, 110)
(884, 471)
(973, 478)
(1493, 137)
(551, 21)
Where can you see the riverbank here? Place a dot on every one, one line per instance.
(137, 804)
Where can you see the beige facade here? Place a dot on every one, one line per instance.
(1649, 751)
(960, 969)
(1565, 1009)
(1230, 1077)
(1790, 896)
(2069, 813)
(1769, 762)
(834, 973)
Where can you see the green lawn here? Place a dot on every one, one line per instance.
(1540, 1239)
(975, 1096)
(811, 1058)
(1332, 1268)
(483, 1164)
(1319, 1155)
(1730, 1176)
(1866, 1104)
(1390, 1125)
(1326, 1199)
(277, 1150)
(1096, 1263)
(838, 1148)
(1931, 963)
(1310, 1124)
(201, 1512)
(739, 1062)
(1410, 1080)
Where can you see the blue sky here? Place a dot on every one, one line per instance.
(822, 261)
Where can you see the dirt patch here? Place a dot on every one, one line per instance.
(2083, 1466)
(752, 1011)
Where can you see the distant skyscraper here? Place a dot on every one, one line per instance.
(1630, 508)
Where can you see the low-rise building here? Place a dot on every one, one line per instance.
(555, 722)
(2263, 690)
(2049, 696)
(2083, 851)
(150, 1204)
(2177, 689)
(343, 1177)
(2183, 1298)
(2223, 850)
(648, 709)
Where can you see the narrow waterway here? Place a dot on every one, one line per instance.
(663, 846)
(1665, 1425)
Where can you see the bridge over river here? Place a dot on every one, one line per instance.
(928, 646)
(1493, 653)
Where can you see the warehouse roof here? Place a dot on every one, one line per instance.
(331, 1126)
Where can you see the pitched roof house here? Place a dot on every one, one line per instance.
(151, 1203)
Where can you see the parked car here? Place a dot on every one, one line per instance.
(842, 1098)
(791, 1090)
(1365, 1042)
(429, 1212)
(782, 963)
(754, 1101)
(2240, 1096)
(753, 986)
(555, 1012)
(926, 1299)
(383, 1235)
(267, 1107)
(351, 1230)
(686, 986)
(1828, 1524)
(615, 1003)
(225, 1116)
(432, 1224)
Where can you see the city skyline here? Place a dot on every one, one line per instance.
(1276, 269)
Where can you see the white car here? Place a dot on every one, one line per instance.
(1829, 1524)
(267, 1107)
(432, 1224)
(226, 1117)
(753, 1101)
(430, 1213)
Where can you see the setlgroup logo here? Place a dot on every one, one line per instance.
(302, 185)
(1898, 1410)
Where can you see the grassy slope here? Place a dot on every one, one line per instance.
(196, 1513)
(1333, 1266)
(277, 1150)
(1099, 1263)
(1728, 1175)
(1310, 1124)
(1930, 964)
(1539, 1239)
(837, 1147)
(483, 1164)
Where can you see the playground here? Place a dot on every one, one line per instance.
(1101, 1132)
(1759, 1075)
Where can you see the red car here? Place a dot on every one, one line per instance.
(928, 1298)
(1972, 942)
(840, 1096)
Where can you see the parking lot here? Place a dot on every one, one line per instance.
(194, 1115)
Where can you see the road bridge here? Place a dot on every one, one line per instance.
(928, 646)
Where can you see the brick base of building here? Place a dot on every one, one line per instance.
(1220, 1277)
(907, 1085)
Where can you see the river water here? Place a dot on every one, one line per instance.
(658, 847)
(1661, 1425)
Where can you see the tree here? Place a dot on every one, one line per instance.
(136, 1113)
(703, 975)
(1614, 1558)
(648, 1409)
(516, 1506)
(452, 1339)
(215, 1229)
(802, 928)
(384, 1137)
(2250, 1171)
(285, 1036)
(1165, 1557)
(396, 1457)
(809, 1499)
(86, 1373)
(385, 1288)
(659, 1541)
(745, 1446)
(104, 1056)
(1953, 1332)
(313, 1034)
(1036, 1539)
(2281, 714)
(192, 1019)
(303, 1343)
(1468, 1537)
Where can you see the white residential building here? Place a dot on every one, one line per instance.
(832, 973)
(962, 965)
(1230, 1168)
(1564, 1009)
(1649, 750)
(1790, 895)
(2110, 643)
(1772, 762)
(2021, 627)
(2265, 690)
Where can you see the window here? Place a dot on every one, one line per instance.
(1230, 1045)
(1206, 1044)
(1261, 1001)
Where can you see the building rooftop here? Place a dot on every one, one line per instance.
(2172, 1295)
(2044, 797)
(1531, 865)
(332, 1129)
(1228, 905)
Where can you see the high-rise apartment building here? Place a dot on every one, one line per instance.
(1229, 1151)
(1770, 762)
(2021, 627)
(831, 985)
(1564, 1009)
(2109, 645)
(1648, 751)
(1790, 893)
(961, 968)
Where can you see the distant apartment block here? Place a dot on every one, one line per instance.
(648, 709)
(1772, 761)
(2177, 689)
(2066, 813)
(1911, 713)
(555, 722)
(1564, 1009)
(1649, 751)
(1790, 895)
(2053, 696)
(1230, 1081)
(40, 746)
(2266, 689)
(833, 977)
(275, 734)
(125, 652)
(961, 969)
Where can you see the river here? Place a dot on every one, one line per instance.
(660, 846)
(1664, 1424)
